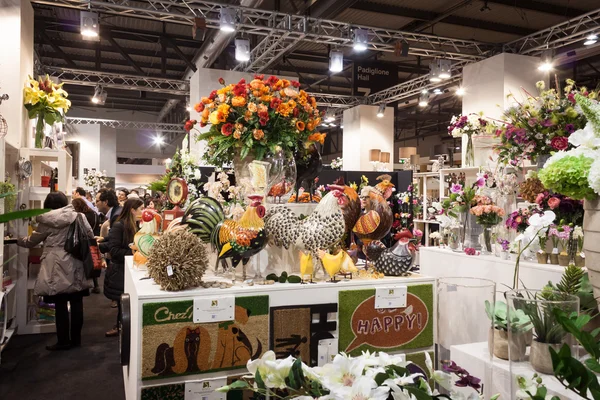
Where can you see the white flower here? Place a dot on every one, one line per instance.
(444, 220)
(585, 137)
(364, 388)
(342, 372)
(537, 222)
(594, 176)
(272, 371)
(434, 235)
(577, 232)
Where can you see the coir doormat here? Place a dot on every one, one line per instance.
(172, 344)
(362, 327)
(296, 330)
(164, 392)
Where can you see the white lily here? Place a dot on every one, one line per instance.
(537, 222)
(585, 137)
(364, 388)
(272, 371)
(386, 359)
(342, 372)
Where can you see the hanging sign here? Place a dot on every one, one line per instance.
(369, 77)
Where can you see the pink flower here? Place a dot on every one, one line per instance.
(470, 251)
(553, 202)
(456, 188)
(559, 142)
(539, 198)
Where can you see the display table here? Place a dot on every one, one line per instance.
(474, 357)
(442, 262)
(169, 352)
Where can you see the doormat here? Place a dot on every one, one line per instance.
(164, 392)
(173, 345)
(296, 330)
(362, 327)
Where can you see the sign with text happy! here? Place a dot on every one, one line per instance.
(365, 327)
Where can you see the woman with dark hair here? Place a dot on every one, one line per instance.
(94, 220)
(61, 279)
(120, 237)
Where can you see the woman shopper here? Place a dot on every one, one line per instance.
(61, 279)
(120, 238)
(94, 220)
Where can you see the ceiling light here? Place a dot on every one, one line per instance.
(336, 61)
(590, 40)
(332, 124)
(99, 96)
(227, 19)
(242, 50)
(445, 68)
(159, 140)
(546, 66)
(90, 27)
(381, 110)
(546, 61)
(437, 91)
(188, 108)
(460, 91)
(424, 99)
(329, 116)
(342, 126)
(424, 91)
(361, 39)
(434, 72)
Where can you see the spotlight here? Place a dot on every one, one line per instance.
(333, 125)
(460, 91)
(99, 95)
(90, 28)
(424, 99)
(188, 108)
(445, 68)
(342, 126)
(546, 66)
(329, 116)
(336, 61)
(437, 91)
(361, 39)
(434, 73)
(590, 40)
(242, 49)
(381, 110)
(159, 140)
(227, 19)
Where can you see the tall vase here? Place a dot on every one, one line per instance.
(469, 153)
(39, 131)
(282, 178)
(591, 244)
(487, 239)
(472, 232)
(242, 173)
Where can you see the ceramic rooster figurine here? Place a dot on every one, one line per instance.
(377, 219)
(238, 240)
(145, 237)
(322, 229)
(395, 261)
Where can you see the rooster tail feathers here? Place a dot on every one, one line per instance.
(202, 216)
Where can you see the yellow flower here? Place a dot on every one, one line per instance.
(224, 108)
(252, 107)
(213, 118)
(31, 96)
(238, 101)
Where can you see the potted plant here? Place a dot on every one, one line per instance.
(542, 255)
(539, 306)
(579, 255)
(562, 234)
(553, 235)
(487, 215)
(519, 325)
(505, 246)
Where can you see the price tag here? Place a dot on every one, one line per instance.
(390, 297)
(327, 350)
(214, 309)
(169, 270)
(205, 390)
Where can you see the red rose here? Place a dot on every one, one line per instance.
(242, 82)
(296, 112)
(263, 121)
(295, 84)
(239, 89)
(559, 142)
(553, 202)
(271, 80)
(275, 102)
(260, 77)
(227, 129)
(263, 115)
(221, 81)
(189, 124)
(199, 107)
(202, 124)
(213, 95)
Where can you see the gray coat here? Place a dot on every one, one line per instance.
(60, 272)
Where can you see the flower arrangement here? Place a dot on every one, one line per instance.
(518, 220)
(537, 223)
(185, 165)
(488, 215)
(461, 199)
(562, 235)
(95, 180)
(435, 235)
(565, 208)
(232, 201)
(541, 124)
(576, 172)
(337, 163)
(469, 125)
(370, 376)
(578, 236)
(46, 101)
(531, 187)
(254, 118)
(504, 244)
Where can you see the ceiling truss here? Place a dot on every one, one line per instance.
(119, 124)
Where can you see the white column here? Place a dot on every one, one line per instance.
(16, 64)
(487, 84)
(364, 131)
(88, 137)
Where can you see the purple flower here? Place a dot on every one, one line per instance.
(547, 123)
(456, 188)
(452, 368)
(469, 381)
(532, 122)
(409, 188)
(570, 128)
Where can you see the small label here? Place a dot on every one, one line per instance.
(205, 390)
(327, 350)
(390, 297)
(451, 288)
(214, 309)
(169, 270)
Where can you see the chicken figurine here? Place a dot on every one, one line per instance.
(238, 240)
(395, 261)
(145, 237)
(322, 229)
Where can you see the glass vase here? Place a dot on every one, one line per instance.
(469, 153)
(487, 239)
(282, 178)
(472, 232)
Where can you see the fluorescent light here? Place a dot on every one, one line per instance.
(546, 66)
(227, 19)
(460, 91)
(381, 110)
(590, 40)
(361, 39)
(242, 50)
(336, 61)
(90, 28)
(159, 140)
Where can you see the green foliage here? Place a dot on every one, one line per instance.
(160, 185)
(576, 281)
(10, 196)
(499, 315)
(11, 216)
(570, 282)
(569, 176)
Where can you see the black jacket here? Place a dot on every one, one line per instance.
(94, 220)
(116, 211)
(118, 247)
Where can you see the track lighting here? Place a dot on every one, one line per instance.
(99, 95)
(424, 99)
(159, 140)
(227, 19)
(242, 50)
(439, 70)
(437, 91)
(336, 61)
(361, 39)
(90, 28)
(546, 61)
(329, 116)
(460, 91)
(381, 110)
(590, 40)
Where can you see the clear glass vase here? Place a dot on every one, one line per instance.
(488, 233)
(472, 231)
(282, 176)
(469, 153)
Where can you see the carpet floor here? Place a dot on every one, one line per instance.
(90, 372)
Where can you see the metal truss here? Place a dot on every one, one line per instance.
(114, 123)
(560, 35)
(119, 81)
(337, 100)
(292, 28)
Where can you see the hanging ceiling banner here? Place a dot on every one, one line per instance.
(371, 77)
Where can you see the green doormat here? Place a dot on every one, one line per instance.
(164, 392)
(362, 327)
(173, 345)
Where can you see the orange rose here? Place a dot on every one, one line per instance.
(221, 116)
(205, 113)
(238, 101)
(265, 89)
(285, 83)
(300, 126)
(256, 93)
(237, 134)
(262, 108)
(258, 134)
(252, 107)
(282, 93)
(224, 109)
(291, 104)
(206, 100)
(317, 121)
(248, 115)
(257, 84)
(310, 126)
(266, 98)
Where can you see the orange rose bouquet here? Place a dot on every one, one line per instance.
(255, 118)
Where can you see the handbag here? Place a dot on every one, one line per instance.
(83, 248)
(92, 259)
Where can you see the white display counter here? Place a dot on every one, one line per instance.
(443, 262)
(146, 377)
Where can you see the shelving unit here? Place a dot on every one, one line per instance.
(426, 183)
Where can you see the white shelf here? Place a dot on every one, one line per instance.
(38, 193)
(429, 221)
(9, 334)
(464, 169)
(9, 288)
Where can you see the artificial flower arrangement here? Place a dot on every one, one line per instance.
(531, 187)
(337, 163)
(46, 101)
(255, 118)
(402, 205)
(185, 165)
(566, 209)
(373, 376)
(519, 220)
(461, 198)
(487, 215)
(561, 234)
(95, 179)
(540, 125)
(469, 125)
(229, 196)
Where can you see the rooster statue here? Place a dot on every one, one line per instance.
(395, 261)
(322, 229)
(377, 219)
(238, 240)
(144, 238)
